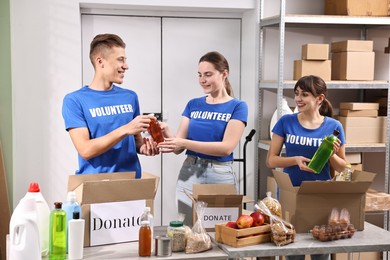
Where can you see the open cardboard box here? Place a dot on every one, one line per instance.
(111, 204)
(311, 203)
(223, 203)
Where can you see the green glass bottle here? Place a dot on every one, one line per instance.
(57, 236)
(323, 152)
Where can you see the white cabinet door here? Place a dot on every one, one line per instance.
(163, 55)
(185, 40)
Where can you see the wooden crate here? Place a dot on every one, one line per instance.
(242, 237)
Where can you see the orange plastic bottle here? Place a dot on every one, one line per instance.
(155, 131)
(145, 239)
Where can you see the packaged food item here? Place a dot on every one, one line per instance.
(338, 227)
(198, 240)
(177, 232)
(283, 232)
(273, 205)
(346, 174)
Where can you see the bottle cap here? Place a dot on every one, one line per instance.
(58, 205)
(76, 215)
(34, 187)
(336, 132)
(176, 223)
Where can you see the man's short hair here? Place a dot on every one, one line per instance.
(102, 43)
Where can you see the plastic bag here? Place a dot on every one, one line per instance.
(198, 240)
(273, 205)
(283, 232)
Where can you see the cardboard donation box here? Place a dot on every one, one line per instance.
(223, 204)
(357, 7)
(111, 204)
(311, 203)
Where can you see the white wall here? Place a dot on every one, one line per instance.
(46, 64)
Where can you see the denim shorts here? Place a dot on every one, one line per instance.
(197, 170)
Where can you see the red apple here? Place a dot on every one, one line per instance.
(258, 219)
(232, 224)
(244, 221)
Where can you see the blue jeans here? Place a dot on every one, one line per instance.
(313, 257)
(196, 170)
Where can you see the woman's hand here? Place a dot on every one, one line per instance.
(302, 163)
(172, 145)
(336, 146)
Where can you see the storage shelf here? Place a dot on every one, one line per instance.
(334, 84)
(372, 147)
(316, 20)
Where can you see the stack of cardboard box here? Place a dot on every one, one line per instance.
(315, 61)
(352, 60)
(361, 123)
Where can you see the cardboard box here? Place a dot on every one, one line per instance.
(272, 187)
(111, 204)
(363, 130)
(359, 106)
(242, 237)
(223, 204)
(377, 201)
(354, 158)
(312, 67)
(313, 51)
(348, 65)
(352, 46)
(311, 203)
(357, 167)
(359, 113)
(357, 255)
(357, 7)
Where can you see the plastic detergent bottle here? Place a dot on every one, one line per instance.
(43, 215)
(24, 232)
(285, 110)
(57, 233)
(70, 206)
(323, 152)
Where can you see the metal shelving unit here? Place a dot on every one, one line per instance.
(284, 21)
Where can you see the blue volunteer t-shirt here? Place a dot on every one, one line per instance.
(300, 141)
(208, 122)
(102, 112)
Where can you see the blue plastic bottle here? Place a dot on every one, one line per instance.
(71, 205)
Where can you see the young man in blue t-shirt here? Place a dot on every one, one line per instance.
(103, 119)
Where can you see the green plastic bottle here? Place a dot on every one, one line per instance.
(57, 236)
(323, 152)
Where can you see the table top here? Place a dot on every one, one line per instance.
(371, 239)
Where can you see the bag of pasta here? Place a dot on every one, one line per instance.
(282, 232)
(273, 205)
(197, 239)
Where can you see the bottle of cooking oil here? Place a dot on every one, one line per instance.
(323, 152)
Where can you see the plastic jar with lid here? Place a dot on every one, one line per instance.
(177, 231)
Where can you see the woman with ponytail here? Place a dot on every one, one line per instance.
(210, 129)
(302, 133)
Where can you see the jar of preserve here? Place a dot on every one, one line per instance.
(177, 231)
